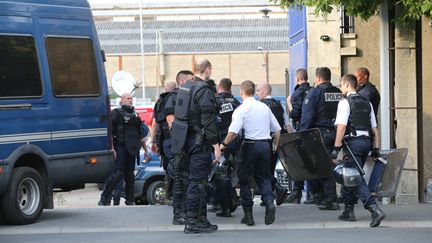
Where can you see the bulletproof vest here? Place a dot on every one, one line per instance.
(183, 101)
(359, 118)
(372, 93)
(227, 106)
(332, 96)
(128, 130)
(303, 90)
(194, 114)
(159, 107)
(277, 110)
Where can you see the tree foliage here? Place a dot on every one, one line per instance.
(414, 9)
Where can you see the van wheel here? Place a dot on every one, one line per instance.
(23, 200)
(156, 193)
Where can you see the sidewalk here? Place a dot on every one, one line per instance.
(288, 216)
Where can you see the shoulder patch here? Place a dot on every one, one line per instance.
(306, 101)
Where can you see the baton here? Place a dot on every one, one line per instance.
(354, 158)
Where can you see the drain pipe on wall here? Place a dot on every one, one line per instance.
(384, 81)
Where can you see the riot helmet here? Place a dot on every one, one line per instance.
(347, 176)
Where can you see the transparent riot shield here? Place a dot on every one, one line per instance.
(394, 163)
(304, 156)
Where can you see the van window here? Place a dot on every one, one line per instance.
(73, 66)
(19, 67)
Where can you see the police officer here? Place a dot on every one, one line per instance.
(226, 195)
(319, 111)
(263, 92)
(258, 122)
(295, 102)
(127, 139)
(366, 89)
(194, 132)
(164, 117)
(355, 118)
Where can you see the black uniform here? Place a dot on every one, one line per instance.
(319, 110)
(225, 194)
(297, 99)
(194, 131)
(278, 111)
(127, 135)
(369, 91)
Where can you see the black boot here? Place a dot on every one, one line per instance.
(194, 226)
(178, 218)
(348, 213)
(206, 225)
(281, 193)
(248, 217)
(377, 215)
(235, 202)
(104, 201)
(328, 205)
(270, 212)
(295, 197)
(226, 210)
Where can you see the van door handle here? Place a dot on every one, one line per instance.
(103, 117)
(16, 107)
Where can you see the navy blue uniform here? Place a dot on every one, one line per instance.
(319, 111)
(297, 98)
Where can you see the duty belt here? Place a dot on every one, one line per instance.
(257, 140)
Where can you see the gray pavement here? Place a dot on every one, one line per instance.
(77, 212)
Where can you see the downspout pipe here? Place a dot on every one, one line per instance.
(384, 77)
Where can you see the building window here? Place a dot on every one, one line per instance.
(73, 66)
(347, 22)
(19, 68)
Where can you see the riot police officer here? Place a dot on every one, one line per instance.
(366, 89)
(355, 118)
(194, 132)
(263, 92)
(164, 116)
(295, 102)
(226, 195)
(319, 111)
(127, 139)
(257, 121)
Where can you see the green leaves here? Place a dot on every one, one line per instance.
(364, 9)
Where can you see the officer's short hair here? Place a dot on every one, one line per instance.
(302, 74)
(225, 84)
(181, 73)
(324, 73)
(201, 65)
(364, 70)
(351, 79)
(248, 87)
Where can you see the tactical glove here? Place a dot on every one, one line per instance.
(335, 152)
(375, 153)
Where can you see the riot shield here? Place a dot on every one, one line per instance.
(391, 175)
(304, 156)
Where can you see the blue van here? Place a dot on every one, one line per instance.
(54, 105)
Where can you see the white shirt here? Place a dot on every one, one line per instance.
(343, 113)
(285, 114)
(256, 118)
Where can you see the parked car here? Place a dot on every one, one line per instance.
(150, 181)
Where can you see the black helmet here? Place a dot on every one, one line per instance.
(346, 176)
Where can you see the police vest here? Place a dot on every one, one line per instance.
(302, 90)
(128, 130)
(277, 110)
(359, 118)
(332, 96)
(227, 104)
